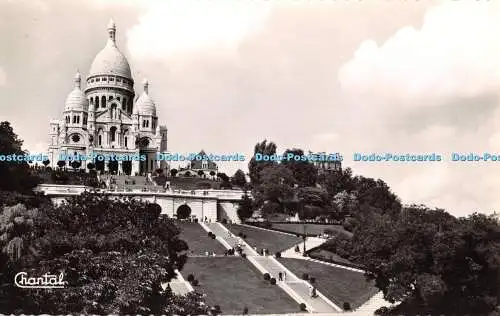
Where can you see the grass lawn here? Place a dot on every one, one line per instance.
(321, 254)
(233, 284)
(339, 285)
(315, 229)
(197, 239)
(260, 238)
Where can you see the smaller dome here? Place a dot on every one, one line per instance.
(145, 104)
(76, 100)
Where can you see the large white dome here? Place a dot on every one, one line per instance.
(110, 60)
(76, 100)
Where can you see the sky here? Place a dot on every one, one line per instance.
(334, 76)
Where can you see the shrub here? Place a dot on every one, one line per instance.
(213, 236)
(245, 311)
(190, 278)
(195, 282)
(267, 276)
(243, 255)
(209, 234)
(312, 280)
(278, 254)
(302, 307)
(273, 281)
(305, 276)
(346, 306)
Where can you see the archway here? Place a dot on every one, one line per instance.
(99, 165)
(113, 166)
(127, 167)
(183, 212)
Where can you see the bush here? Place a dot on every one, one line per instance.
(213, 236)
(312, 280)
(305, 276)
(302, 307)
(346, 306)
(190, 278)
(243, 255)
(245, 311)
(278, 254)
(273, 281)
(209, 234)
(195, 282)
(267, 276)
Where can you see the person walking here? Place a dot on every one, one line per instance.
(280, 276)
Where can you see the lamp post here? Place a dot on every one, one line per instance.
(303, 229)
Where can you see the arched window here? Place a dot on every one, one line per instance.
(113, 133)
(96, 102)
(103, 101)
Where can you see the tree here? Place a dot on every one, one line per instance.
(14, 175)
(336, 182)
(303, 171)
(46, 162)
(91, 166)
(255, 167)
(239, 178)
(200, 173)
(61, 163)
(223, 176)
(212, 173)
(432, 262)
(345, 203)
(276, 187)
(173, 172)
(245, 208)
(187, 174)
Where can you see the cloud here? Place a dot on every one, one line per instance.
(176, 27)
(453, 55)
(433, 88)
(3, 77)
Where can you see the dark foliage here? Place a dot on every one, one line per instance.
(114, 256)
(14, 175)
(267, 276)
(273, 281)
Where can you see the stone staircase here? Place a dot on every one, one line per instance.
(369, 307)
(298, 289)
(220, 231)
(319, 304)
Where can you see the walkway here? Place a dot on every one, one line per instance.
(311, 242)
(220, 231)
(298, 289)
(178, 285)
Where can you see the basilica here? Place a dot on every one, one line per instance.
(107, 118)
